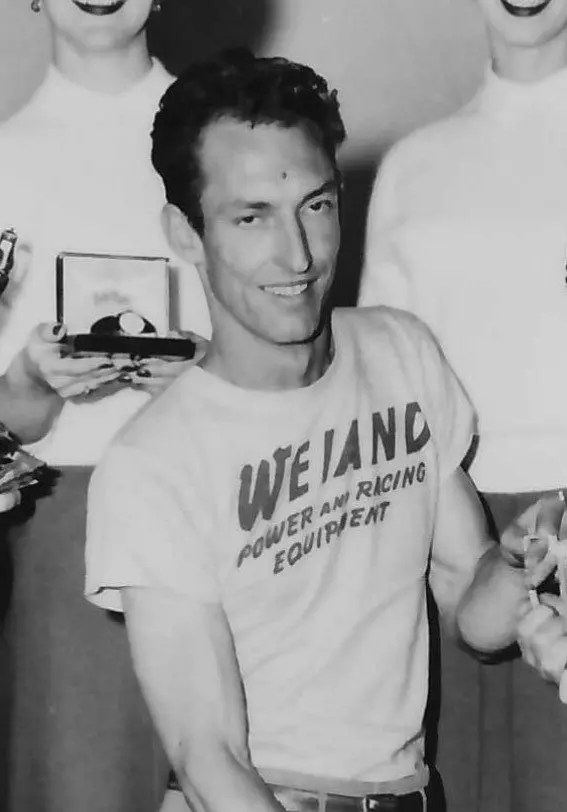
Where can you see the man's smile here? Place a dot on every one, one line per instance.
(99, 8)
(525, 8)
(288, 291)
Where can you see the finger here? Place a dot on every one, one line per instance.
(519, 538)
(189, 334)
(542, 622)
(550, 513)
(161, 368)
(9, 500)
(557, 604)
(51, 332)
(553, 660)
(525, 523)
(513, 546)
(545, 647)
(537, 573)
(85, 385)
(523, 610)
(76, 366)
(537, 549)
(534, 620)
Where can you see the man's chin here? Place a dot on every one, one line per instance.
(303, 336)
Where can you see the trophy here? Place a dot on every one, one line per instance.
(8, 240)
(18, 468)
(116, 305)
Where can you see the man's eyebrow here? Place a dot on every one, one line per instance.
(330, 185)
(254, 205)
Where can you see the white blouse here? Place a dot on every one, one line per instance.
(76, 175)
(468, 229)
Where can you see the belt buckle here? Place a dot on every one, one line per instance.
(379, 803)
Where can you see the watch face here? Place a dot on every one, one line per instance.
(111, 295)
(126, 323)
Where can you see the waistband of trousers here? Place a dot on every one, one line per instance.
(339, 786)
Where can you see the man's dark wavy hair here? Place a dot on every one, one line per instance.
(236, 84)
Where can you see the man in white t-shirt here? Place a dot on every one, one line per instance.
(268, 525)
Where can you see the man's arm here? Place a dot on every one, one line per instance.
(480, 592)
(185, 660)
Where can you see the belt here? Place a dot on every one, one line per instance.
(302, 801)
(299, 800)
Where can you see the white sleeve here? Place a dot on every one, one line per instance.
(144, 530)
(449, 410)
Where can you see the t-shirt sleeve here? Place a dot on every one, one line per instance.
(142, 531)
(384, 279)
(448, 410)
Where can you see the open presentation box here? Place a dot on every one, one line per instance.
(116, 305)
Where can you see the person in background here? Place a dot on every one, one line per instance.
(467, 229)
(76, 176)
(268, 524)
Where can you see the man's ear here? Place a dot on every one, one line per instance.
(181, 235)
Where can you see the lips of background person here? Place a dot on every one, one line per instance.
(100, 8)
(525, 9)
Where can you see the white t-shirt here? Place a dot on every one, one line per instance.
(468, 229)
(76, 175)
(308, 514)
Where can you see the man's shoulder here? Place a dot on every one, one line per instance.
(155, 429)
(391, 338)
(380, 321)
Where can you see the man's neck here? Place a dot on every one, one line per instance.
(110, 71)
(254, 364)
(527, 65)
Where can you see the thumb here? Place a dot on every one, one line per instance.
(51, 332)
(552, 602)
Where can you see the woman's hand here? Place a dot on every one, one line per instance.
(44, 362)
(542, 636)
(154, 375)
(525, 542)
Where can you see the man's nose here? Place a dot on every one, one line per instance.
(296, 254)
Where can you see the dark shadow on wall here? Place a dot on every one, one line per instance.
(186, 31)
(358, 179)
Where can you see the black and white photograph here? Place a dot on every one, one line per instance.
(283, 424)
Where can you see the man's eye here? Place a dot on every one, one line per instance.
(247, 220)
(325, 204)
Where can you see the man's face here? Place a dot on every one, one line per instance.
(97, 24)
(270, 208)
(525, 23)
